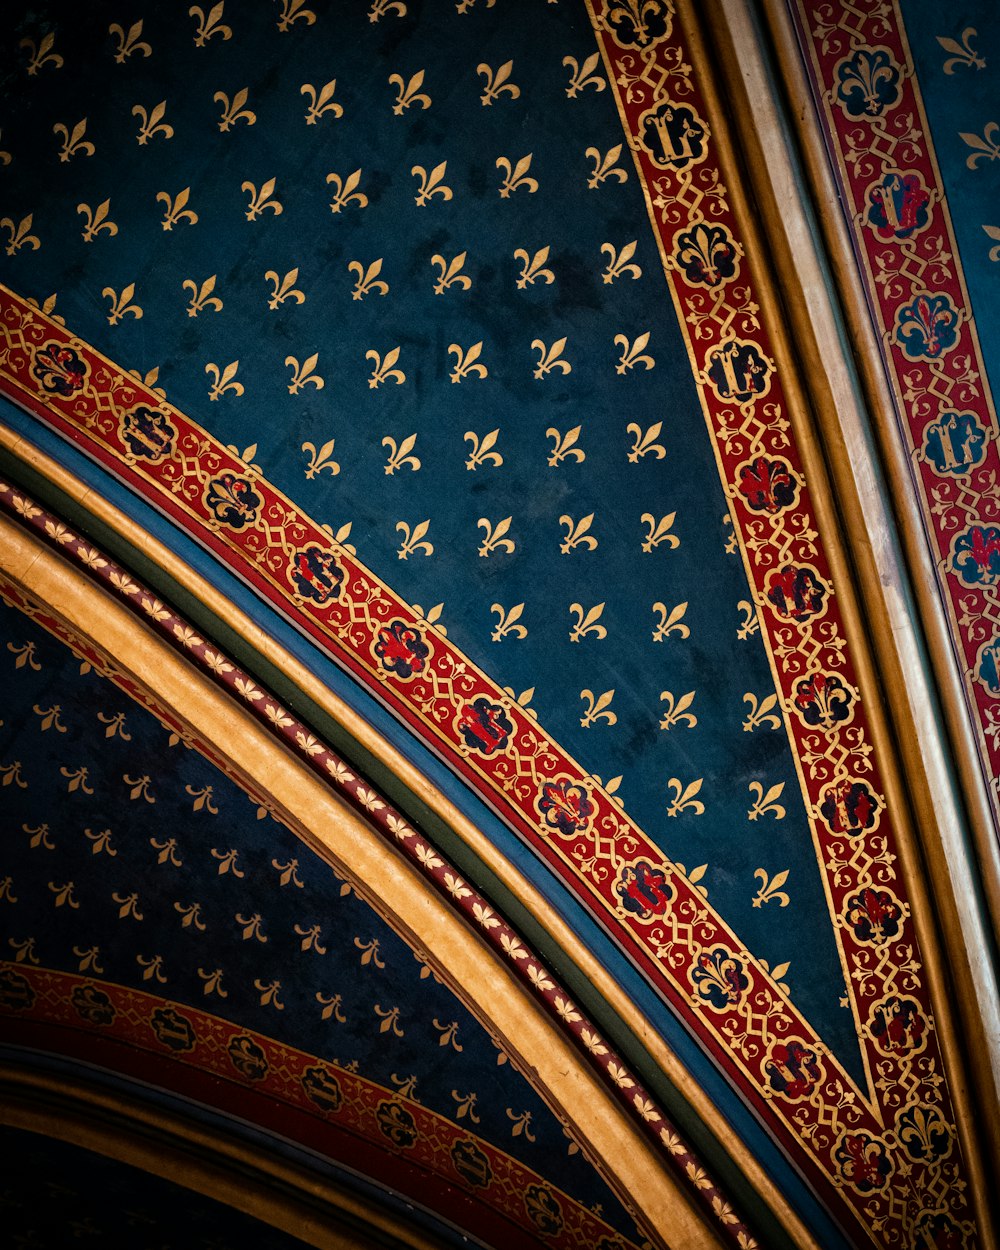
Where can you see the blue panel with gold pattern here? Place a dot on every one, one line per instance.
(406, 267)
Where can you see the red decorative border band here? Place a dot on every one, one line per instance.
(894, 200)
(330, 1108)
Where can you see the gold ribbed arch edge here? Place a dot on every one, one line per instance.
(541, 1051)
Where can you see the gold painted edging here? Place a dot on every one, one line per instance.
(873, 584)
(526, 894)
(299, 1203)
(334, 831)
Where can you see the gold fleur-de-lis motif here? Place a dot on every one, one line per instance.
(516, 176)
(765, 803)
(310, 936)
(414, 540)
(583, 76)
(463, 6)
(47, 306)
(64, 898)
(121, 305)
(175, 209)
(213, 982)
(962, 53)
(149, 379)
(605, 166)
(577, 535)
(152, 123)
(390, 1020)
(533, 268)
(384, 368)
(632, 353)
(399, 457)
(431, 184)
(88, 958)
(25, 655)
(369, 952)
(694, 876)
(128, 905)
(409, 93)
(598, 708)
(191, 916)
(467, 362)
(97, 220)
(761, 712)
(684, 797)
(167, 851)
(73, 142)
(268, 991)
(284, 288)
(289, 873)
(210, 25)
(320, 460)
(224, 379)
(367, 280)
(620, 263)
(261, 200)
(25, 951)
(770, 890)
(448, 1034)
(50, 718)
(20, 234)
(644, 441)
(431, 617)
(497, 83)
(986, 146)
(564, 446)
(5, 157)
(671, 621)
(483, 449)
(331, 1007)
(676, 712)
(750, 623)
(587, 622)
(466, 1102)
(508, 622)
(450, 273)
(550, 358)
(303, 375)
(227, 862)
(128, 42)
(381, 7)
(234, 110)
(495, 536)
(201, 296)
(405, 1085)
(293, 11)
(40, 836)
(322, 102)
(345, 191)
(41, 54)
(994, 233)
(139, 787)
(659, 531)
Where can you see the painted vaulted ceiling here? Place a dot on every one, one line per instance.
(499, 734)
